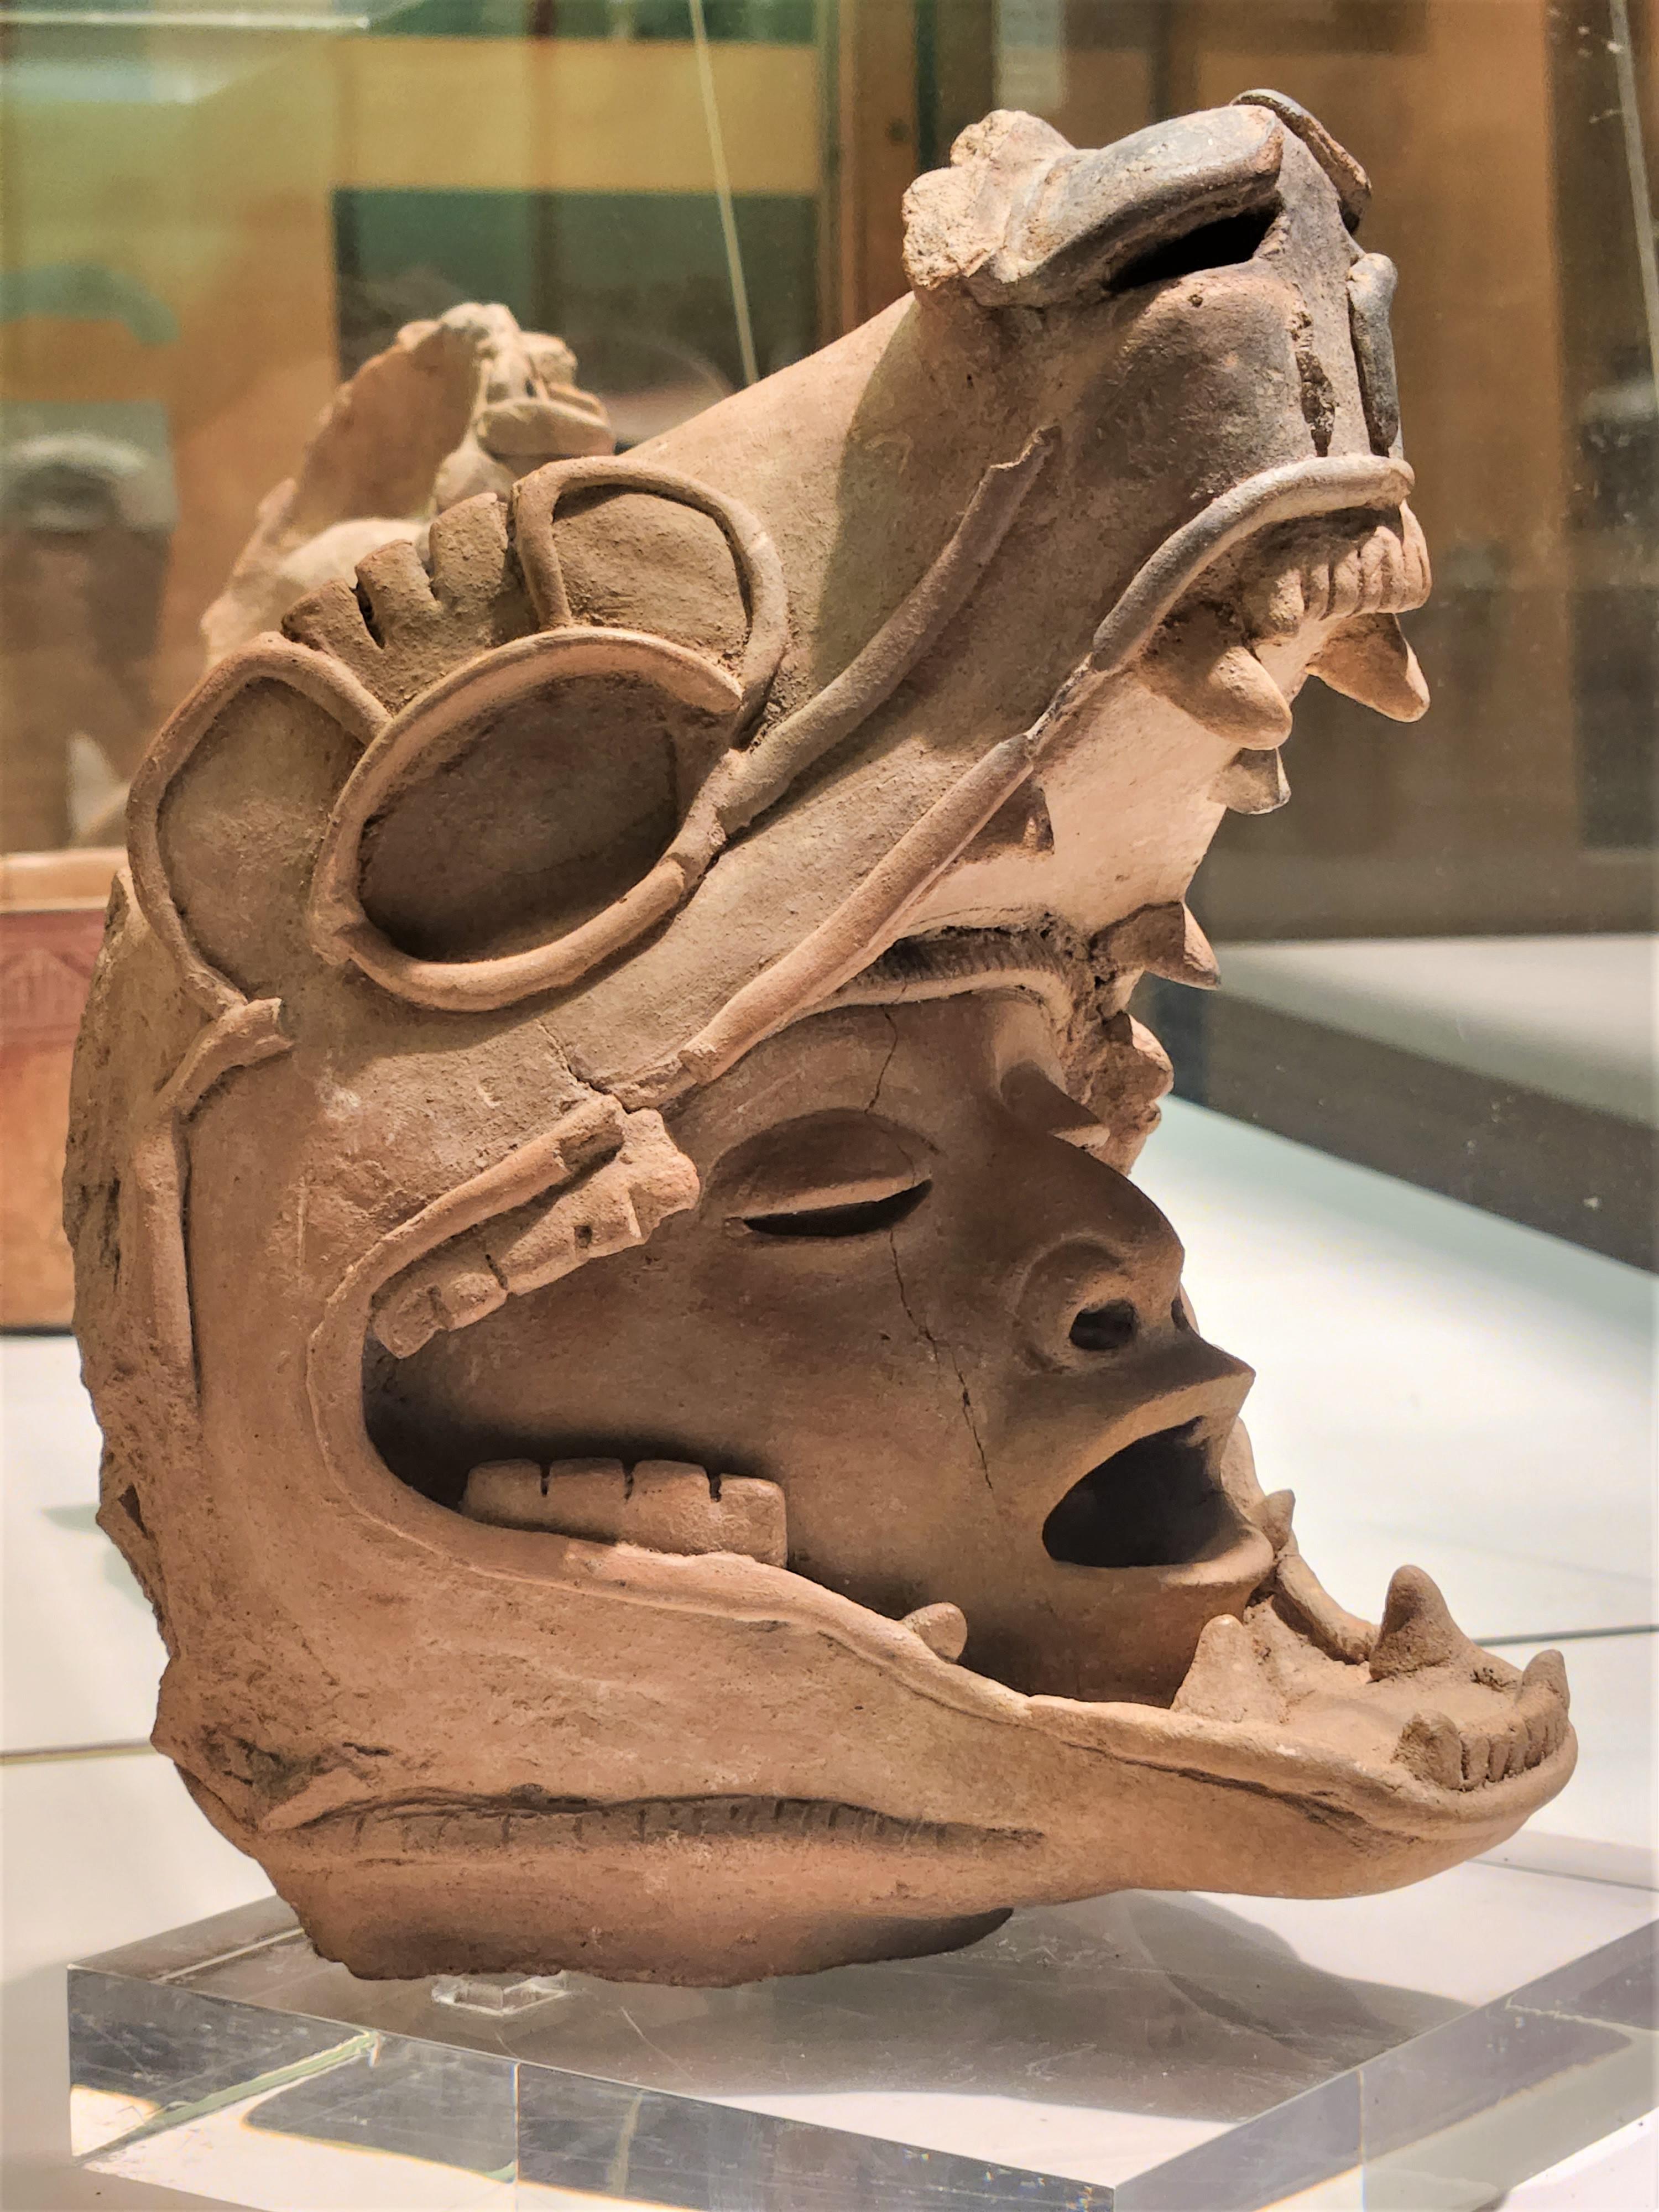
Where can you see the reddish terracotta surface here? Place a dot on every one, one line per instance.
(662, 1434)
(51, 923)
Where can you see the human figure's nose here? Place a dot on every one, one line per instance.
(1115, 1279)
(1107, 1265)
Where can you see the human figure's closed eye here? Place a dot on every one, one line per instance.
(839, 1174)
(864, 1217)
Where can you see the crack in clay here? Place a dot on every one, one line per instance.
(917, 1324)
(968, 1416)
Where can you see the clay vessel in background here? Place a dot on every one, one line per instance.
(51, 923)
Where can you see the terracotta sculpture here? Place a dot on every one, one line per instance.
(660, 1434)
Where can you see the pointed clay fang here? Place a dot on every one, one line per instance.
(1223, 686)
(1241, 701)
(1369, 660)
(1273, 1517)
(1541, 1705)
(1225, 1682)
(942, 1628)
(1417, 1631)
(1431, 1748)
(1162, 940)
(1252, 783)
(1546, 1676)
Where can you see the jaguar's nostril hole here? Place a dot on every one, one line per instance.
(1105, 1328)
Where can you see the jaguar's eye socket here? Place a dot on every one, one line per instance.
(1212, 245)
(862, 1217)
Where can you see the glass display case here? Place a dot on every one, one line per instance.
(1412, 1137)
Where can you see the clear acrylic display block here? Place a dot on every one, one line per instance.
(1143, 2053)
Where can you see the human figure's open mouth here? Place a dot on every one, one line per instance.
(1157, 1502)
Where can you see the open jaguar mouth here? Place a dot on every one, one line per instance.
(1303, 569)
(1319, 596)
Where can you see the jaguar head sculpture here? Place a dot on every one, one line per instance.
(662, 1437)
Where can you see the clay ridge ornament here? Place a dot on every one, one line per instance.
(661, 1437)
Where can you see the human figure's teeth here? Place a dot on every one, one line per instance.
(1477, 1759)
(515, 1493)
(1252, 783)
(1418, 1630)
(1369, 660)
(1219, 684)
(1430, 1747)
(942, 1628)
(663, 1505)
(673, 1507)
(1509, 1750)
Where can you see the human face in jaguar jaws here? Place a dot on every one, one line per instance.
(912, 1298)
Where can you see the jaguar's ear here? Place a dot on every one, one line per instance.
(519, 823)
(409, 783)
(530, 814)
(228, 810)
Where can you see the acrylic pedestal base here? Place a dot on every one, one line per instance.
(1139, 2053)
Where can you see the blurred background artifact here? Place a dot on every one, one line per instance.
(52, 922)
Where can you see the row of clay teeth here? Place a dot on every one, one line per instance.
(1199, 663)
(662, 1505)
(1198, 666)
(1228, 1679)
(1386, 572)
(1436, 1749)
(1418, 1634)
